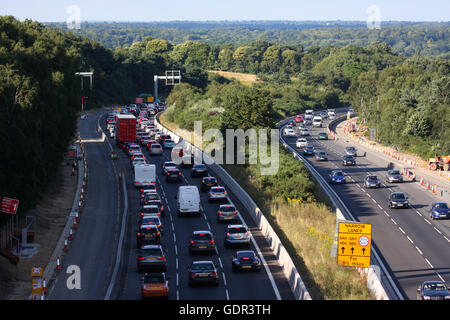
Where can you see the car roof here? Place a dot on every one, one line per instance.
(202, 231)
(230, 226)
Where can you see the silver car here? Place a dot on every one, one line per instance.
(237, 234)
(217, 193)
(156, 148)
(394, 176)
(227, 212)
(351, 151)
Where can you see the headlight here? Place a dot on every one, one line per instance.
(426, 298)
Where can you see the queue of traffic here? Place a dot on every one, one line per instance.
(148, 143)
(297, 128)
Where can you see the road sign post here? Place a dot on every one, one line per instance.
(354, 244)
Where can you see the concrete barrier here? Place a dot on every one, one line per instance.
(289, 270)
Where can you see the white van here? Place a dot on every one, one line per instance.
(144, 175)
(188, 200)
(317, 121)
(309, 112)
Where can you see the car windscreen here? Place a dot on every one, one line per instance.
(337, 174)
(440, 206)
(394, 172)
(372, 178)
(434, 287)
(398, 196)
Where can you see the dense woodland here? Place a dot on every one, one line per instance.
(405, 98)
(406, 38)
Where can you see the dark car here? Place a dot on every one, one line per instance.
(348, 160)
(245, 260)
(323, 136)
(151, 257)
(207, 183)
(201, 272)
(148, 234)
(433, 290)
(166, 165)
(152, 219)
(440, 210)
(394, 176)
(308, 150)
(148, 196)
(173, 174)
(164, 137)
(371, 181)
(199, 170)
(398, 200)
(202, 241)
(321, 156)
(337, 176)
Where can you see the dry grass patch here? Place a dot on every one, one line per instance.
(244, 78)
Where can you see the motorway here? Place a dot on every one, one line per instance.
(95, 246)
(414, 247)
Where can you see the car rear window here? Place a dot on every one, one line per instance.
(151, 252)
(154, 279)
(149, 230)
(237, 230)
(244, 254)
(217, 190)
(204, 266)
(228, 209)
(150, 210)
(150, 220)
(201, 236)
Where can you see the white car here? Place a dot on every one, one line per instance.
(304, 132)
(289, 132)
(301, 143)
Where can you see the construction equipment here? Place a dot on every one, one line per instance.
(439, 163)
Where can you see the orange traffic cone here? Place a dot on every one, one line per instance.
(44, 286)
(58, 264)
(66, 245)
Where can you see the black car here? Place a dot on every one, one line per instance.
(173, 174)
(151, 257)
(207, 183)
(348, 160)
(433, 290)
(398, 200)
(245, 260)
(148, 234)
(199, 170)
(308, 150)
(203, 272)
(202, 241)
(149, 196)
(164, 137)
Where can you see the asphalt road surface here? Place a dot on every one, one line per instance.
(415, 247)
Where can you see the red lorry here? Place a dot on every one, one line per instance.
(125, 128)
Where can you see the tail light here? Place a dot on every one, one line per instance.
(142, 190)
(168, 173)
(192, 241)
(228, 233)
(235, 211)
(179, 173)
(213, 274)
(141, 258)
(139, 234)
(246, 258)
(212, 241)
(159, 225)
(210, 193)
(161, 258)
(158, 233)
(192, 274)
(225, 192)
(220, 212)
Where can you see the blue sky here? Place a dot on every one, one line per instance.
(202, 10)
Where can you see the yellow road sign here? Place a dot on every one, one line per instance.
(354, 244)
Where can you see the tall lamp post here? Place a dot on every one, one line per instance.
(83, 75)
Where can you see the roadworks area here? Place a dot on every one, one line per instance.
(51, 215)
